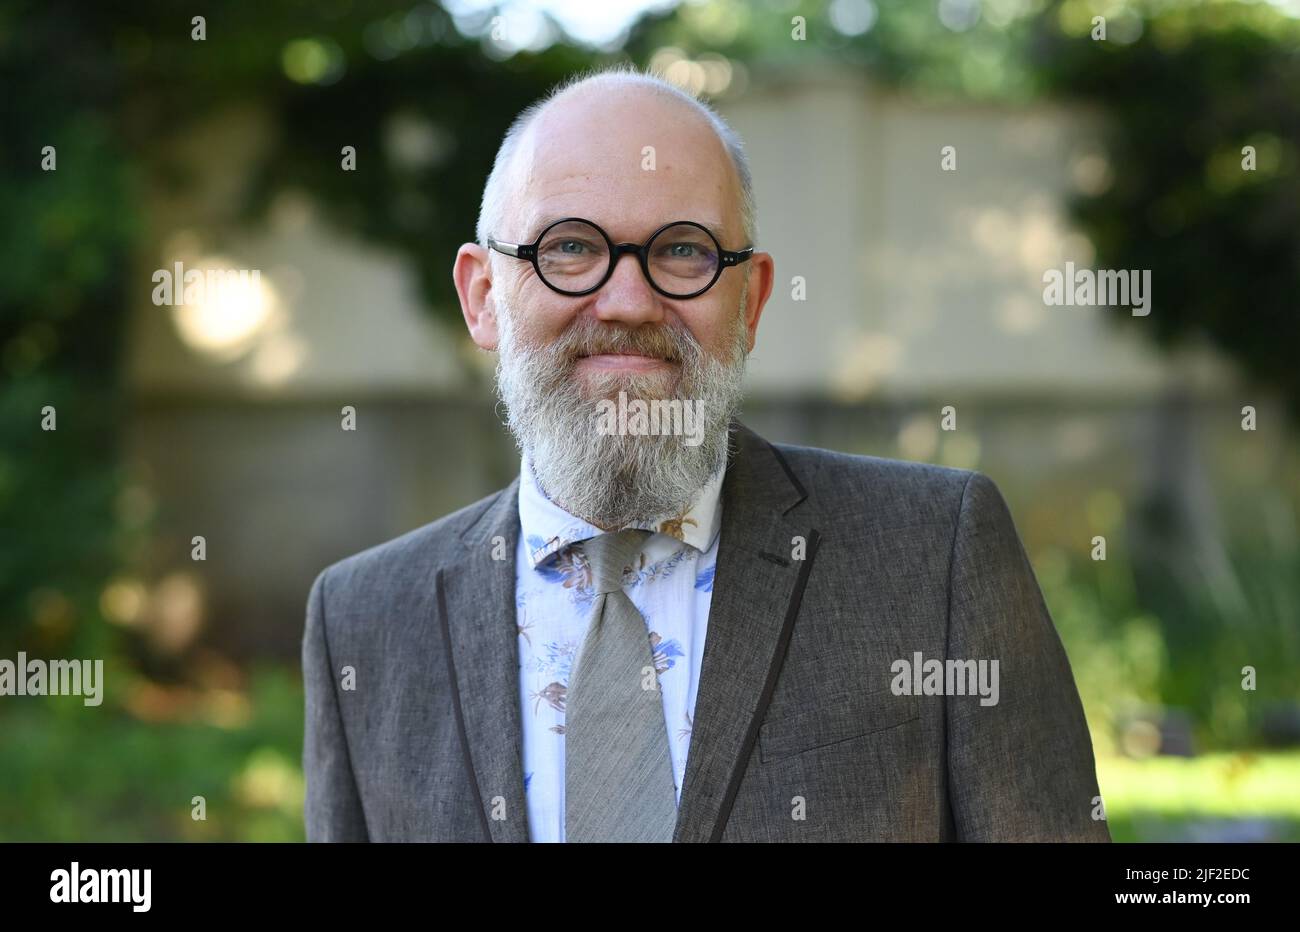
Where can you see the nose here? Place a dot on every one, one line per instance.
(627, 297)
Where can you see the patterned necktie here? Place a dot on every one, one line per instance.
(618, 779)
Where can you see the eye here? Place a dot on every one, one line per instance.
(680, 250)
(571, 247)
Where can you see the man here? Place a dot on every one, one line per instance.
(667, 628)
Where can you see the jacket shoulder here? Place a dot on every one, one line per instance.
(893, 490)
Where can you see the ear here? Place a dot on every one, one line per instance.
(762, 277)
(473, 276)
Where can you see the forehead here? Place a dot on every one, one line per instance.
(628, 159)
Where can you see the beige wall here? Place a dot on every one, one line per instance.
(923, 282)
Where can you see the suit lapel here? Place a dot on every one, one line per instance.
(476, 599)
(756, 594)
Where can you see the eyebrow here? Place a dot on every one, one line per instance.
(712, 223)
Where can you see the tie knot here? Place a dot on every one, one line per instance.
(610, 555)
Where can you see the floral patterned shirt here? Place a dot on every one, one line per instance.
(672, 589)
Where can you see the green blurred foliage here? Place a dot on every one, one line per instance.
(1132, 659)
(72, 773)
(1200, 82)
(65, 244)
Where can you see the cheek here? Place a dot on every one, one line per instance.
(540, 315)
(710, 326)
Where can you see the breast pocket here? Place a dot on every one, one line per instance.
(838, 718)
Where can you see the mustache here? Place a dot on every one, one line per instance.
(587, 337)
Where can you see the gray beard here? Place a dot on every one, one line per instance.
(612, 480)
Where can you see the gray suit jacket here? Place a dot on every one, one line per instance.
(797, 733)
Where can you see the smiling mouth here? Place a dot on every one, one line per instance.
(630, 359)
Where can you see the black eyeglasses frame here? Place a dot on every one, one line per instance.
(528, 251)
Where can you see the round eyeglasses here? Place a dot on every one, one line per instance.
(575, 257)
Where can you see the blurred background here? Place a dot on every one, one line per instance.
(220, 144)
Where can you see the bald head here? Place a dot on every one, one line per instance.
(627, 150)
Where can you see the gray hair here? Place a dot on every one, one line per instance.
(496, 193)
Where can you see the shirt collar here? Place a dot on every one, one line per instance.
(547, 528)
